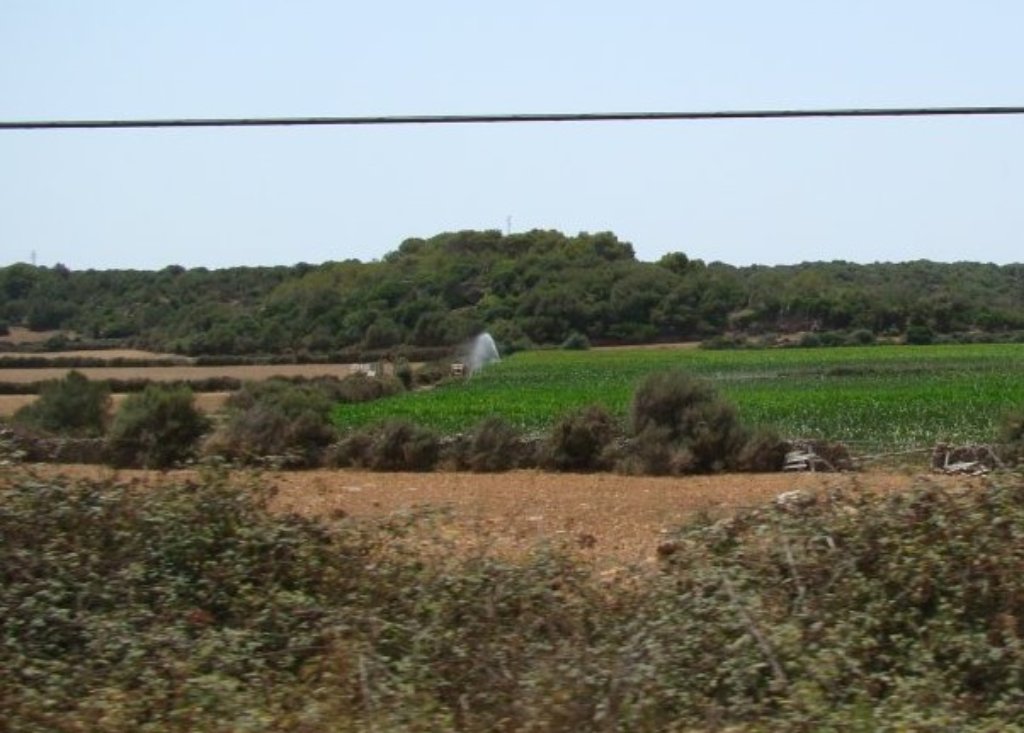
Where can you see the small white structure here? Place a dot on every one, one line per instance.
(369, 370)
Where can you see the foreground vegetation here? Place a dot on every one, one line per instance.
(538, 287)
(879, 397)
(194, 608)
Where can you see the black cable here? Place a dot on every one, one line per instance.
(510, 118)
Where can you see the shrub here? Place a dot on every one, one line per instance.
(764, 452)
(403, 372)
(361, 387)
(493, 445)
(810, 340)
(352, 450)
(277, 420)
(1012, 428)
(156, 428)
(431, 373)
(69, 406)
(861, 337)
(654, 453)
(1011, 435)
(831, 338)
(919, 335)
(581, 441)
(576, 341)
(196, 608)
(510, 337)
(394, 445)
(723, 342)
(680, 425)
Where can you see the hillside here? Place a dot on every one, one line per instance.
(538, 287)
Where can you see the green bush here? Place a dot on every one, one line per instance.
(763, 452)
(919, 335)
(680, 425)
(393, 445)
(404, 373)
(156, 428)
(722, 342)
(492, 446)
(69, 406)
(431, 373)
(833, 338)
(277, 420)
(361, 387)
(810, 340)
(581, 441)
(576, 341)
(861, 337)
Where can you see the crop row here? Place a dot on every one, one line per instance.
(887, 397)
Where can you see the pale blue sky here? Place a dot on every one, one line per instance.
(741, 192)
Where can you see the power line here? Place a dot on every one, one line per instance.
(510, 118)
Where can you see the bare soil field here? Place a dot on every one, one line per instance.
(618, 520)
(21, 335)
(104, 354)
(11, 403)
(679, 345)
(181, 373)
(208, 402)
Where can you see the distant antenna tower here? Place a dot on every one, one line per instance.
(33, 258)
(508, 226)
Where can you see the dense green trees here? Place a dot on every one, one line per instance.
(532, 288)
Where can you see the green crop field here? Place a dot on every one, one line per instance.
(884, 397)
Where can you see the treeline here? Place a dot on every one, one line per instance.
(535, 288)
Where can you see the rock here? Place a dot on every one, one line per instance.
(794, 501)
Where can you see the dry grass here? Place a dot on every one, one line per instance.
(21, 335)
(620, 520)
(652, 347)
(208, 402)
(181, 373)
(11, 403)
(105, 354)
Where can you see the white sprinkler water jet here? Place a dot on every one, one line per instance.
(482, 351)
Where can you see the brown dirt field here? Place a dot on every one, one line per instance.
(206, 401)
(210, 402)
(105, 354)
(21, 335)
(619, 520)
(679, 345)
(175, 373)
(11, 403)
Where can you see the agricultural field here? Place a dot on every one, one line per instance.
(876, 398)
(255, 372)
(206, 401)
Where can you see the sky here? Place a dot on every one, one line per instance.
(741, 192)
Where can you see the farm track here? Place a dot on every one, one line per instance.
(618, 520)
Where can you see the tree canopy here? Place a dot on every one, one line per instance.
(537, 287)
